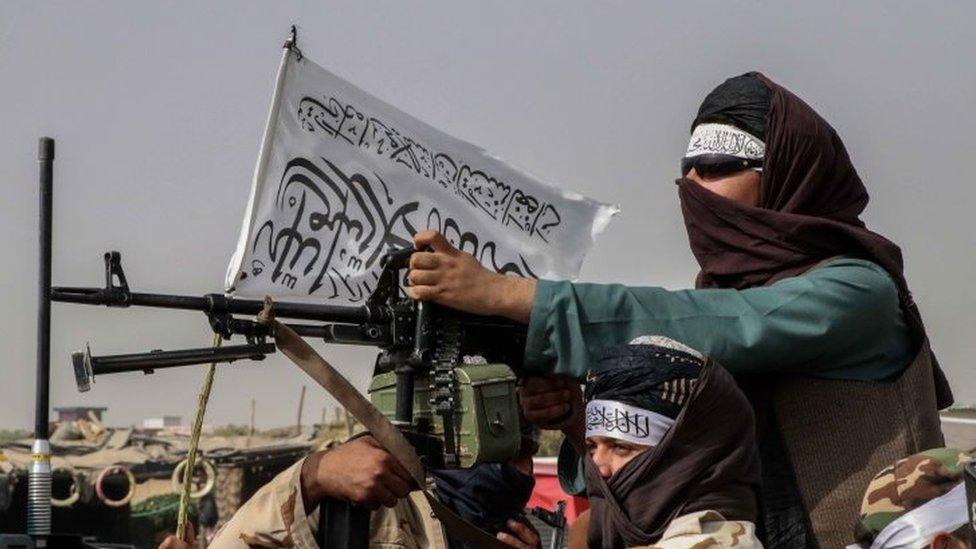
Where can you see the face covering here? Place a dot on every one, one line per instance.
(706, 458)
(486, 495)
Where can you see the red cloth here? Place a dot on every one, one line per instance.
(547, 493)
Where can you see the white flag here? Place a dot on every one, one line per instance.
(343, 178)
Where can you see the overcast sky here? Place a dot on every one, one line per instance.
(158, 110)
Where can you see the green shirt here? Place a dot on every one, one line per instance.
(842, 321)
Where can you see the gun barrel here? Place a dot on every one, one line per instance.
(213, 303)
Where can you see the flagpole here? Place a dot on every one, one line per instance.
(39, 480)
(260, 168)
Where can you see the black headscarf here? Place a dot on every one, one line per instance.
(623, 375)
(706, 461)
(741, 101)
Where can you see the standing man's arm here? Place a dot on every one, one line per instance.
(842, 320)
(453, 278)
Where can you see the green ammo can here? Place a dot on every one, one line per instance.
(487, 417)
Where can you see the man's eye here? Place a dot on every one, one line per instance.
(622, 451)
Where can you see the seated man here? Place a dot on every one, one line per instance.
(284, 513)
(920, 501)
(670, 453)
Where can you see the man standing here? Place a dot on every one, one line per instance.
(796, 297)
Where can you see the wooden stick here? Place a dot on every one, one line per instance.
(250, 429)
(301, 404)
(191, 454)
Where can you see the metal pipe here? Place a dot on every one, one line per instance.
(46, 158)
(39, 482)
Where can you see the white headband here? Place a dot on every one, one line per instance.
(609, 418)
(725, 139)
(916, 528)
(667, 343)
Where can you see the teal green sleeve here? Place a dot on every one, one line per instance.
(840, 321)
(569, 468)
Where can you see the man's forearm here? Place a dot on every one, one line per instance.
(515, 297)
(309, 487)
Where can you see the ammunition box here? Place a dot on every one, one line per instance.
(486, 413)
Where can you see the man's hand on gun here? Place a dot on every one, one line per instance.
(359, 471)
(441, 273)
(521, 535)
(554, 402)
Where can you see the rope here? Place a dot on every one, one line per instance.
(191, 454)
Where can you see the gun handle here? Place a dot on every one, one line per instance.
(343, 525)
(398, 259)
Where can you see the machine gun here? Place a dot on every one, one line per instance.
(456, 415)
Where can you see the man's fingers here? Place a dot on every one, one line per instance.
(423, 278)
(523, 531)
(423, 293)
(172, 542)
(398, 487)
(511, 540)
(544, 400)
(425, 260)
(544, 416)
(434, 240)
(542, 384)
(392, 465)
(396, 484)
(401, 472)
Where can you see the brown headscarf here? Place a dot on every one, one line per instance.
(810, 199)
(707, 460)
(809, 203)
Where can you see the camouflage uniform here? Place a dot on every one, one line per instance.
(701, 530)
(707, 529)
(275, 517)
(906, 485)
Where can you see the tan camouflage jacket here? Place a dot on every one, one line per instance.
(275, 517)
(707, 529)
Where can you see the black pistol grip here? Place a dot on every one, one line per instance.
(399, 259)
